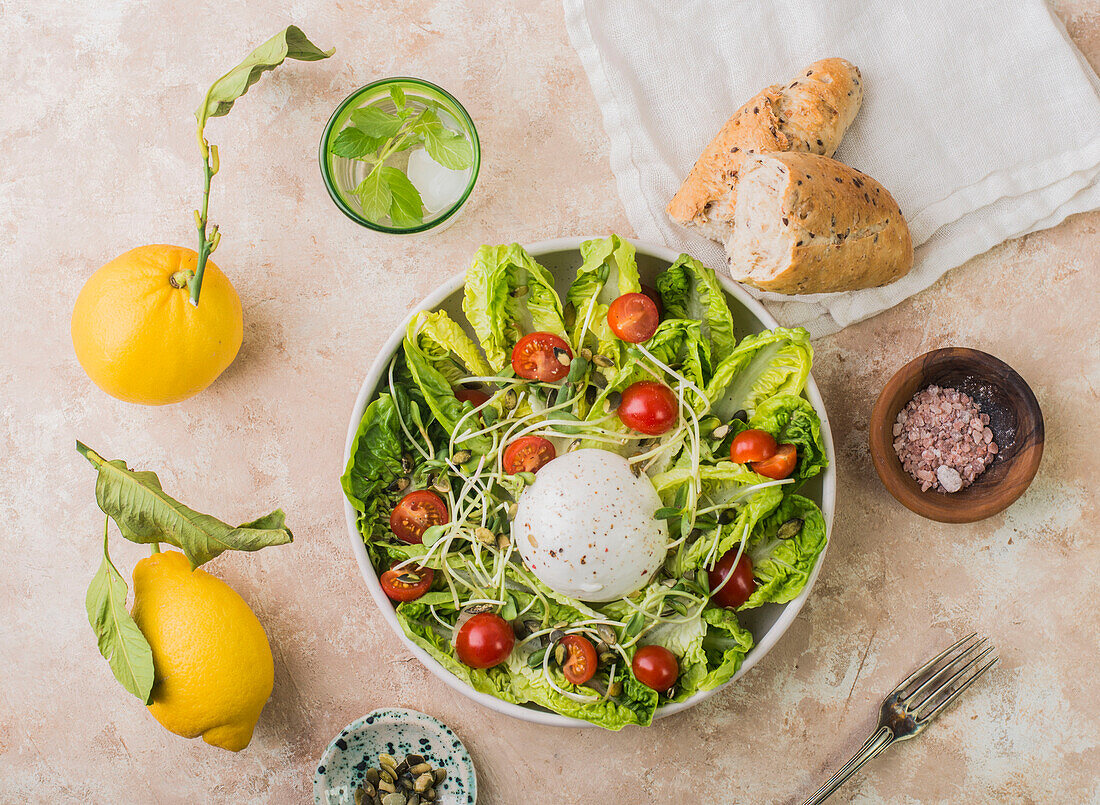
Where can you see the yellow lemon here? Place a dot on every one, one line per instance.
(138, 336)
(212, 662)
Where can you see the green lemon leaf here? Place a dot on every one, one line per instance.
(374, 195)
(289, 43)
(375, 123)
(353, 143)
(449, 148)
(120, 640)
(145, 514)
(406, 207)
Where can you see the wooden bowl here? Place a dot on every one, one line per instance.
(1014, 418)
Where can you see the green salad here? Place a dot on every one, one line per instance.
(469, 417)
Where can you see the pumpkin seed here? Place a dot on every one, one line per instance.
(634, 625)
(573, 445)
(408, 577)
(406, 784)
(414, 799)
(585, 353)
(590, 394)
(559, 653)
(607, 634)
(511, 399)
(403, 766)
(531, 626)
(423, 781)
(414, 760)
(394, 799)
(670, 583)
(371, 776)
(562, 356)
(462, 456)
(615, 688)
(569, 315)
(608, 657)
(442, 484)
(387, 761)
(727, 516)
(603, 361)
(485, 536)
(406, 462)
(519, 292)
(702, 579)
(679, 606)
(614, 400)
(790, 529)
(398, 485)
(386, 785)
(556, 635)
(477, 609)
(428, 796)
(513, 509)
(536, 658)
(741, 414)
(720, 432)
(439, 775)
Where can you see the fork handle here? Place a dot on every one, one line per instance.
(872, 748)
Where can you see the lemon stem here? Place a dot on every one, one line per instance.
(154, 548)
(207, 242)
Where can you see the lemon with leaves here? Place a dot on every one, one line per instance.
(158, 324)
(211, 659)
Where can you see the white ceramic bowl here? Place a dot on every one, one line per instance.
(562, 257)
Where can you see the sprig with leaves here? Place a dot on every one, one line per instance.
(145, 514)
(375, 135)
(289, 43)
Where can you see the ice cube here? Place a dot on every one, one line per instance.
(439, 187)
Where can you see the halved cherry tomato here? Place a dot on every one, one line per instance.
(484, 640)
(475, 397)
(655, 295)
(741, 584)
(752, 445)
(528, 454)
(655, 667)
(633, 317)
(580, 660)
(779, 466)
(648, 406)
(415, 512)
(541, 356)
(407, 583)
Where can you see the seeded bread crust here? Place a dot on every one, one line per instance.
(810, 114)
(810, 224)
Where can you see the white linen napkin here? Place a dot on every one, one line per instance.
(980, 117)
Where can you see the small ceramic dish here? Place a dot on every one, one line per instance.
(1014, 418)
(398, 733)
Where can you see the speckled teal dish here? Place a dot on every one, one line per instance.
(395, 732)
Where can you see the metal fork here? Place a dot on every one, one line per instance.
(913, 704)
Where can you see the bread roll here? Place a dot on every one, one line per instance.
(804, 223)
(810, 113)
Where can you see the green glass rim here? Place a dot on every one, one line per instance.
(330, 182)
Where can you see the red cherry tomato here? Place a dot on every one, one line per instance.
(528, 454)
(580, 661)
(655, 667)
(648, 406)
(475, 397)
(415, 512)
(779, 466)
(655, 295)
(633, 317)
(737, 590)
(407, 583)
(541, 356)
(752, 445)
(484, 640)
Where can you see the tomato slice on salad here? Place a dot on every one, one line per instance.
(415, 513)
(655, 667)
(541, 356)
(780, 465)
(633, 317)
(528, 454)
(485, 640)
(752, 445)
(649, 407)
(731, 584)
(406, 583)
(580, 658)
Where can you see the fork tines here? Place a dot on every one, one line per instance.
(937, 683)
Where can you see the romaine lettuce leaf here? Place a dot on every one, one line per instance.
(762, 365)
(792, 420)
(374, 462)
(690, 290)
(726, 643)
(443, 342)
(508, 294)
(609, 269)
(782, 566)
